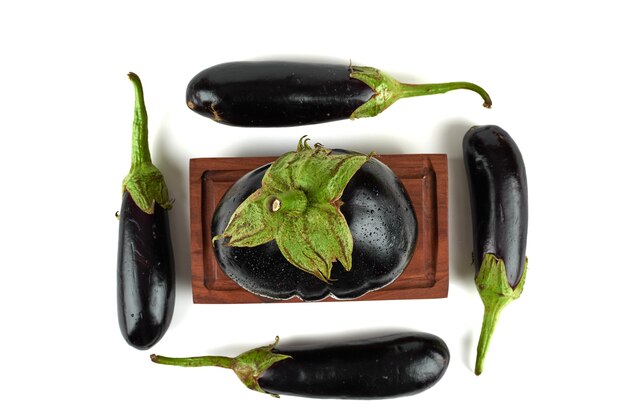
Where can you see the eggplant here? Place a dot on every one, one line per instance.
(379, 218)
(499, 203)
(379, 367)
(283, 93)
(145, 262)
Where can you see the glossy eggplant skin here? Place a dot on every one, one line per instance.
(145, 274)
(381, 367)
(498, 197)
(384, 231)
(276, 93)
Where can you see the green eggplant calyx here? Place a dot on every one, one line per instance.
(248, 366)
(298, 205)
(387, 90)
(495, 292)
(144, 182)
(251, 365)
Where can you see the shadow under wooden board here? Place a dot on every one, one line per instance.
(425, 177)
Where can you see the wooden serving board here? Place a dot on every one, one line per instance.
(425, 177)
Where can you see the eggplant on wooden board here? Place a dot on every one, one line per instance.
(285, 93)
(499, 202)
(145, 263)
(314, 223)
(378, 367)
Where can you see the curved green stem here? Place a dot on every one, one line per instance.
(495, 293)
(248, 366)
(387, 90)
(202, 361)
(412, 90)
(490, 319)
(144, 182)
(140, 150)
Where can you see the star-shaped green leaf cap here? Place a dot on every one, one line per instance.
(298, 205)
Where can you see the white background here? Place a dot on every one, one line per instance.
(555, 71)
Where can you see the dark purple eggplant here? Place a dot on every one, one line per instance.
(499, 204)
(145, 264)
(280, 93)
(380, 218)
(372, 368)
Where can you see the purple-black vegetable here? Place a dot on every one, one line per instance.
(371, 368)
(145, 264)
(365, 230)
(282, 93)
(499, 202)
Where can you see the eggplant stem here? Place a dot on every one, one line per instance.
(144, 182)
(413, 90)
(490, 319)
(387, 90)
(201, 361)
(140, 150)
(495, 292)
(248, 366)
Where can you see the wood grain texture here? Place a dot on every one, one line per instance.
(425, 176)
